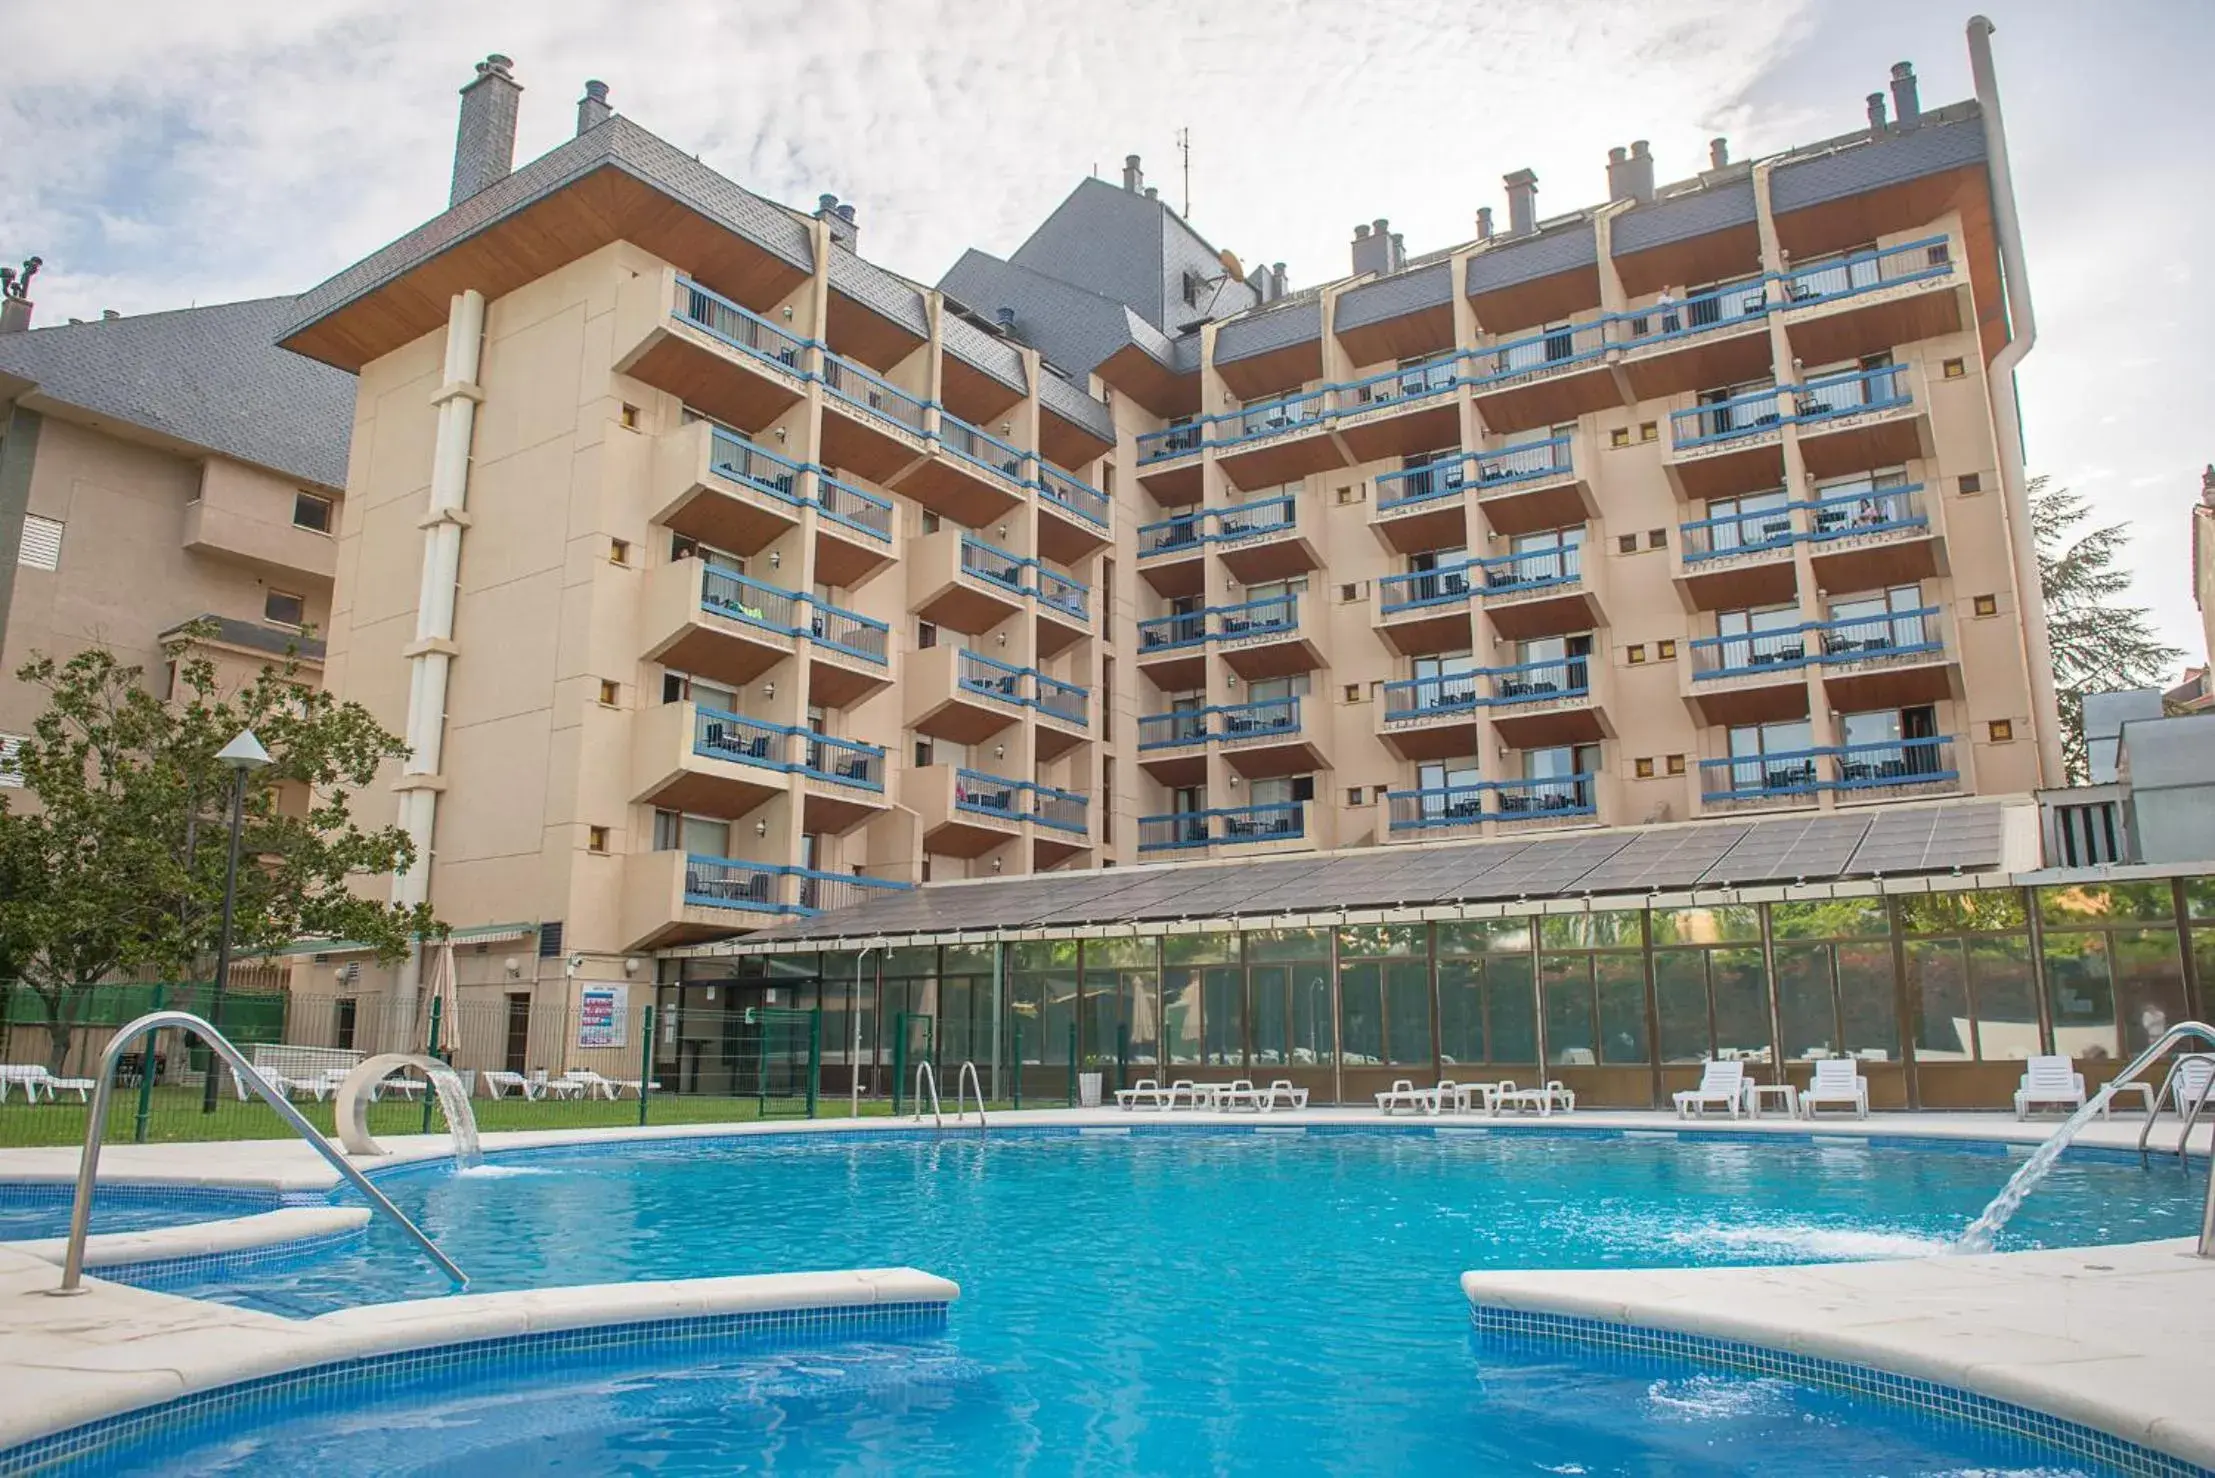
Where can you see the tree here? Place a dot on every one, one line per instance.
(118, 867)
(2099, 644)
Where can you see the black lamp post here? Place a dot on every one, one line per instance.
(242, 756)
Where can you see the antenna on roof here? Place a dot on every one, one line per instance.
(1184, 147)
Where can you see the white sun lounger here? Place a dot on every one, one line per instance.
(1146, 1090)
(1555, 1094)
(1240, 1093)
(2051, 1083)
(608, 1088)
(1294, 1098)
(36, 1077)
(1403, 1094)
(1839, 1084)
(1720, 1083)
(498, 1084)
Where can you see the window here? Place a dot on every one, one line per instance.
(1634, 654)
(1676, 764)
(630, 417)
(1643, 768)
(922, 753)
(42, 543)
(280, 609)
(1953, 369)
(1191, 289)
(1348, 594)
(619, 551)
(1107, 600)
(611, 693)
(1353, 693)
(596, 838)
(930, 522)
(1986, 605)
(11, 761)
(1649, 430)
(1970, 482)
(1626, 543)
(1657, 538)
(926, 636)
(1665, 651)
(1620, 436)
(1350, 495)
(2001, 730)
(1353, 795)
(311, 513)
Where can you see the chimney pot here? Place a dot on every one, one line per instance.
(1905, 107)
(1153, 192)
(846, 214)
(2207, 485)
(1522, 202)
(1005, 317)
(1380, 225)
(1361, 232)
(1718, 153)
(109, 315)
(840, 218)
(1373, 248)
(1638, 148)
(592, 108)
(1134, 179)
(1484, 223)
(484, 143)
(1876, 112)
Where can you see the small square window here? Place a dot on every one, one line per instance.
(1626, 543)
(1634, 654)
(1986, 605)
(1643, 768)
(926, 636)
(1620, 436)
(1970, 482)
(311, 513)
(1657, 538)
(281, 609)
(1348, 594)
(1953, 369)
(922, 753)
(596, 838)
(930, 522)
(630, 417)
(619, 551)
(1353, 693)
(1350, 495)
(1649, 430)
(1676, 764)
(1353, 795)
(2001, 730)
(611, 693)
(1665, 650)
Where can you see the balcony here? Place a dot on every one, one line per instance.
(716, 623)
(1541, 592)
(1172, 650)
(1539, 705)
(1859, 419)
(1522, 805)
(853, 538)
(1281, 441)
(1527, 486)
(964, 697)
(1064, 714)
(1719, 448)
(1172, 747)
(713, 485)
(820, 892)
(1266, 738)
(841, 782)
(1264, 638)
(1885, 770)
(1894, 660)
(850, 658)
(1425, 612)
(1847, 306)
(1545, 378)
(871, 426)
(1074, 515)
(1401, 412)
(1063, 607)
(1169, 462)
(1277, 826)
(971, 476)
(1428, 811)
(1874, 539)
(1787, 779)
(1423, 507)
(1434, 810)
(1748, 678)
(1172, 553)
(1737, 561)
(678, 898)
(688, 758)
(1431, 718)
(1262, 540)
(959, 581)
(969, 813)
(711, 353)
(1717, 337)
(243, 514)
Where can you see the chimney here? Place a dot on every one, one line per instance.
(1153, 192)
(1134, 179)
(592, 108)
(1276, 281)
(2207, 485)
(109, 315)
(1399, 251)
(1640, 172)
(1618, 173)
(1372, 250)
(1876, 113)
(1718, 153)
(15, 296)
(840, 218)
(1484, 223)
(1904, 104)
(1522, 203)
(484, 145)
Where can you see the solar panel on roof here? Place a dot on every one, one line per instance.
(1663, 860)
(1929, 839)
(1790, 850)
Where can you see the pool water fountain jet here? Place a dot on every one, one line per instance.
(354, 1097)
(1982, 1235)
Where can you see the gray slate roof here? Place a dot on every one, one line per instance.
(1134, 250)
(1073, 326)
(212, 377)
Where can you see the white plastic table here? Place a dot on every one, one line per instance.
(1782, 1093)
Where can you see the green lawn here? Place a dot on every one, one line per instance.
(174, 1116)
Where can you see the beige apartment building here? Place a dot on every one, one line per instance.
(718, 576)
(157, 470)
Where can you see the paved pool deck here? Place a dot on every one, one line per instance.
(2115, 1338)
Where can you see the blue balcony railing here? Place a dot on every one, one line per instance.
(1065, 595)
(1713, 422)
(859, 388)
(1274, 822)
(1894, 763)
(1073, 493)
(1185, 532)
(1271, 418)
(857, 508)
(1891, 634)
(1545, 351)
(1065, 701)
(1269, 616)
(842, 761)
(1431, 697)
(1539, 682)
(1445, 584)
(1254, 520)
(1559, 795)
(1063, 810)
(1533, 569)
(717, 735)
(1175, 729)
(990, 795)
(976, 673)
(721, 882)
(1170, 441)
(1177, 832)
(1776, 650)
(1762, 777)
(736, 459)
(1873, 511)
(1408, 382)
(1432, 807)
(1435, 807)
(1523, 461)
(1851, 394)
(981, 448)
(1265, 719)
(741, 328)
(993, 565)
(1718, 307)
(1445, 478)
(821, 892)
(849, 632)
(1862, 271)
(1165, 633)
(1737, 534)
(728, 593)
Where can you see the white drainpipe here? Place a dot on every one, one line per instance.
(432, 652)
(2014, 481)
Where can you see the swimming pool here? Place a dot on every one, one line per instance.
(1165, 1302)
(37, 1210)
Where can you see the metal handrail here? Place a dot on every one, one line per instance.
(923, 1076)
(80, 1213)
(962, 1085)
(2191, 1116)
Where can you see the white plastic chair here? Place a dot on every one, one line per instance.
(1720, 1083)
(2191, 1081)
(1295, 1098)
(2049, 1082)
(1837, 1081)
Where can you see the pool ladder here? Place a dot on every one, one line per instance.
(88, 1167)
(2191, 1114)
(967, 1082)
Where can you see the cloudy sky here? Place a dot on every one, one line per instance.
(161, 154)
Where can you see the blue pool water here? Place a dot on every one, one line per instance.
(1197, 1303)
(28, 1211)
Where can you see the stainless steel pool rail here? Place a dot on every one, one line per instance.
(88, 1167)
(968, 1081)
(2155, 1051)
(925, 1078)
(2165, 1095)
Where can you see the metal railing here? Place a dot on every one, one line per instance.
(1761, 776)
(1270, 822)
(926, 1078)
(733, 457)
(990, 563)
(980, 447)
(1264, 718)
(1560, 795)
(964, 1085)
(1423, 482)
(991, 795)
(1065, 701)
(1064, 810)
(1546, 350)
(2188, 1066)
(1175, 831)
(88, 1165)
(1774, 650)
(1538, 682)
(738, 326)
(1070, 597)
(849, 631)
(1170, 441)
(1073, 493)
(1442, 584)
(1523, 461)
(1186, 531)
(1170, 730)
(1267, 616)
(843, 761)
(1850, 394)
(1870, 511)
(1270, 418)
(1893, 763)
(1730, 534)
(1731, 303)
(1429, 697)
(1888, 764)
(857, 387)
(1891, 634)
(977, 673)
(717, 735)
(1714, 421)
(1161, 633)
(725, 882)
(1432, 806)
(1252, 520)
(1533, 569)
(857, 508)
(820, 892)
(1859, 272)
(1408, 382)
(728, 593)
